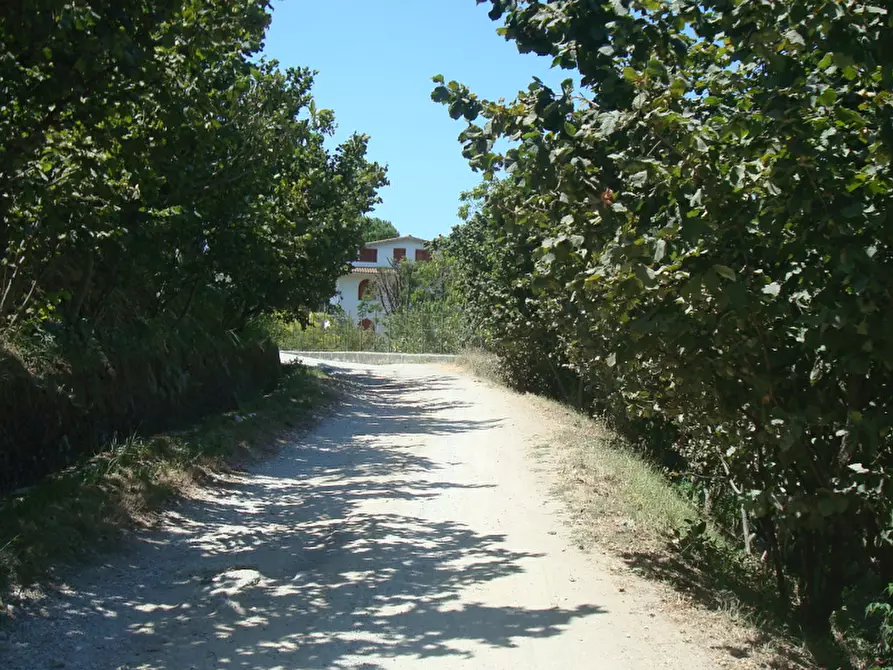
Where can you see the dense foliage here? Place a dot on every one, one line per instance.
(149, 166)
(699, 240)
(160, 189)
(883, 610)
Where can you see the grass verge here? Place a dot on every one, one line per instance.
(78, 512)
(483, 365)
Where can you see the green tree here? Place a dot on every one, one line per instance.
(709, 214)
(151, 168)
(375, 229)
(493, 264)
(162, 188)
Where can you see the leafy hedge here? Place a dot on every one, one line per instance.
(62, 398)
(699, 241)
(150, 165)
(418, 308)
(161, 187)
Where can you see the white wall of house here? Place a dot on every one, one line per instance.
(348, 293)
(348, 286)
(386, 249)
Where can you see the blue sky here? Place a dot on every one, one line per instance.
(375, 60)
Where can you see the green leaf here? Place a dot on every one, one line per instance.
(851, 117)
(725, 271)
(441, 94)
(656, 68)
(608, 123)
(678, 87)
(638, 179)
(630, 74)
(828, 97)
(794, 37)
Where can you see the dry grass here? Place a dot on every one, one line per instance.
(482, 365)
(622, 494)
(85, 509)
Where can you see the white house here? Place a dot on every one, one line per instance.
(374, 258)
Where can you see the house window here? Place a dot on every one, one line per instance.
(368, 255)
(399, 254)
(365, 287)
(422, 255)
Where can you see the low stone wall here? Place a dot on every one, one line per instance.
(368, 357)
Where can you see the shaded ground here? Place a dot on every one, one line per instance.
(409, 530)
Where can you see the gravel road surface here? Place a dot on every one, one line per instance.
(412, 528)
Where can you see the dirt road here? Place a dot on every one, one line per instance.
(411, 529)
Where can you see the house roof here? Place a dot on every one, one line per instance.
(407, 238)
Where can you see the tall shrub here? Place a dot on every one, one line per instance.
(149, 166)
(710, 213)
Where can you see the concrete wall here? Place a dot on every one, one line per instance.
(348, 293)
(364, 357)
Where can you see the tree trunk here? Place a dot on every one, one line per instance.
(82, 290)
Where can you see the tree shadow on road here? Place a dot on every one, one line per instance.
(293, 566)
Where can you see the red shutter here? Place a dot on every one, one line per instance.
(422, 255)
(368, 255)
(399, 254)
